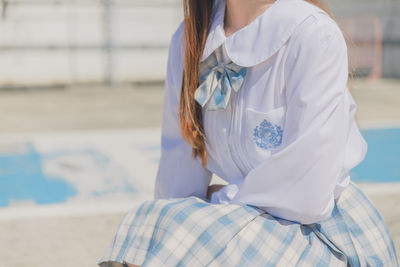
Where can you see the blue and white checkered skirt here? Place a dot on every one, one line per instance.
(192, 232)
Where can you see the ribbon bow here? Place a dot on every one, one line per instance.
(217, 81)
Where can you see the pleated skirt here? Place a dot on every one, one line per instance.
(192, 232)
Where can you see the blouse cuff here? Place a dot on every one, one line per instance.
(225, 194)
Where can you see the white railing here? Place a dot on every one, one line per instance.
(44, 42)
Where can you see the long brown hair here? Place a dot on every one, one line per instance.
(197, 21)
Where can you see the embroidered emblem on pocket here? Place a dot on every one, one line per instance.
(267, 135)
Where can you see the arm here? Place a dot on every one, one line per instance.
(297, 183)
(178, 175)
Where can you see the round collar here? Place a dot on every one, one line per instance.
(261, 38)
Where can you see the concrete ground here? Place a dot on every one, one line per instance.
(79, 240)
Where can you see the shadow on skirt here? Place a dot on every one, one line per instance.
(192, 232)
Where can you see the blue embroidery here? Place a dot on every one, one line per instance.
(267, 135)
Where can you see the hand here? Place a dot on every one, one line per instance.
(213, 188)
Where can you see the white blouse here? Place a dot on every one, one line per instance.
(296, 85)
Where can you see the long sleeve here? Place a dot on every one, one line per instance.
(178, 175)
(297, 182)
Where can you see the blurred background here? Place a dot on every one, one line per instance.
(81, 90)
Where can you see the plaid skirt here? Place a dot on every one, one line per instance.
(192, 232)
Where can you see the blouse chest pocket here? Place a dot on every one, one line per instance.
(264, 131)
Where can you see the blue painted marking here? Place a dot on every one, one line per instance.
(382, 162)
(22, 178)
(101, 161)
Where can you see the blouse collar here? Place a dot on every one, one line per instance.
(260, 39)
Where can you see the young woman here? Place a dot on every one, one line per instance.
(256, 93)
